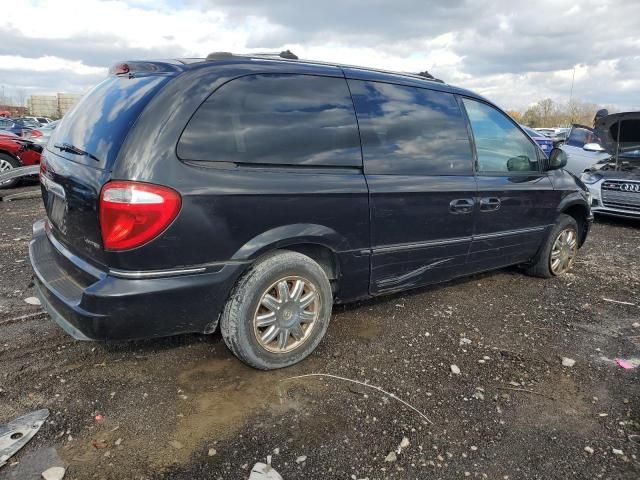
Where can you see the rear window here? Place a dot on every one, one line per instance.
(275, 119)
(411, 131)
(99, 123)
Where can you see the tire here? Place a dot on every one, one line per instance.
(7, 162)
(244, 334)
(542, 265)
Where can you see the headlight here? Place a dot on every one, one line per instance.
(590, 177)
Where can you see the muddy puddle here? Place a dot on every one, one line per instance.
(207, 402)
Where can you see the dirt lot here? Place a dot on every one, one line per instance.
(184, 408)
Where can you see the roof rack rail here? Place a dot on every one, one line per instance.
(289, 55)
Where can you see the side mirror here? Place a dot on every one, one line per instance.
(557, 160)
(593, 147)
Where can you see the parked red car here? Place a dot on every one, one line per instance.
(16, 152)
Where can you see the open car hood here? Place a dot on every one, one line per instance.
(623, 128)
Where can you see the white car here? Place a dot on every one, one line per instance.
(547, 132)
(583, 149)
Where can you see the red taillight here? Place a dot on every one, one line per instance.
(133, 213)
(36, 133)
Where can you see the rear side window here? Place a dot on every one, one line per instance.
(411, 131)
(500, 145)
(275, 119)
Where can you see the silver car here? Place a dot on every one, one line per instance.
(583, 149)
(614, 183)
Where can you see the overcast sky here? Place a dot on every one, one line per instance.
(514, 52)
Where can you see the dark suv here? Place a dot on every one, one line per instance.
(253, 192)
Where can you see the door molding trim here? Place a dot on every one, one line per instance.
(398, 247)
(508, 233)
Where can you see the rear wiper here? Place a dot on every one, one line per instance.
(67, 147)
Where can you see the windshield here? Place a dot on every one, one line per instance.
(531, 132)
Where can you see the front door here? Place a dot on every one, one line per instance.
(419, 169)
(516, 200)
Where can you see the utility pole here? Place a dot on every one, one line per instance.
(571, 92)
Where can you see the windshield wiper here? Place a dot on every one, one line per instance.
(67, 147)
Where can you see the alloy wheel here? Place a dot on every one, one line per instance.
(563, 251)
(5, 166)
(287, 314)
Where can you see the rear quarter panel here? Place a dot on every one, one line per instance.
(234, 213)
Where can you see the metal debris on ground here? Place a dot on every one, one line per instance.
(19, 172)
(9, 197)
(17, 433)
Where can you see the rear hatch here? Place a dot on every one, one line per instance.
(82, 152)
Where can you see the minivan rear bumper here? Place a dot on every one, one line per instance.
(91, 304)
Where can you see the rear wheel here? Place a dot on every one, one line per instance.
(559, 250)
(8, 163)
(278, 312)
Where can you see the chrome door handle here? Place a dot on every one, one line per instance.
(490, 204)
(461, 205)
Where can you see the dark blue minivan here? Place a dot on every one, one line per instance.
(252, 192)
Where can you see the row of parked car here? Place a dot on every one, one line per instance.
(557, 134)
(37, 129)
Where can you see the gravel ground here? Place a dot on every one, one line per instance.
(184, 408)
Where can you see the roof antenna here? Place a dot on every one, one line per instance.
(426, 74)
(288, 54)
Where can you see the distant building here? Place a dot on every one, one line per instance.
(54, 106)
(66, 101)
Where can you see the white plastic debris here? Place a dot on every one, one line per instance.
(455, 369)
(32, 300)
(617, 451)
(589, 450)
(212, 452)
(53, 473)
(264, 471)
(392, 457)
(404, 443)
(568, 362)
(300, 459)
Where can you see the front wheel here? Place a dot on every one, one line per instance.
(559, 250)
(278, 312)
